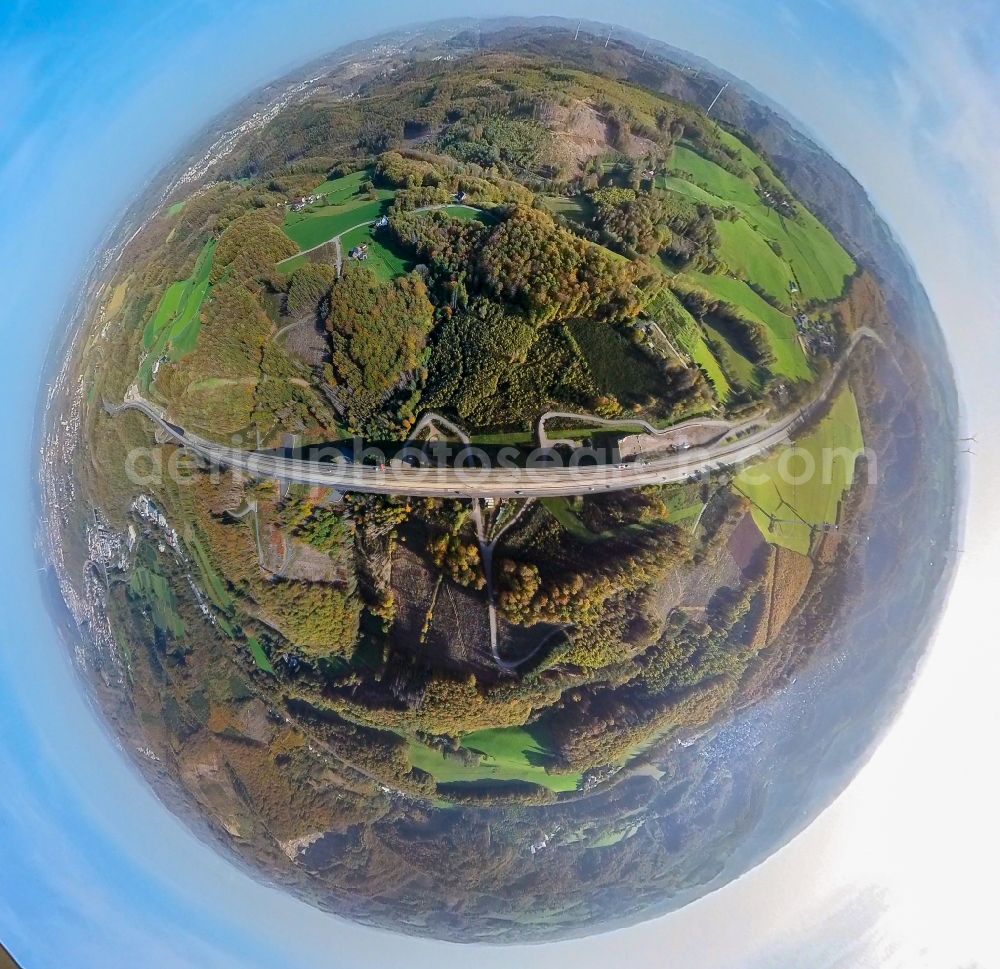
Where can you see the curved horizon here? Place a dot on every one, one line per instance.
(212, 934)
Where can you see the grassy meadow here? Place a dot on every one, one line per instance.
(784, 512)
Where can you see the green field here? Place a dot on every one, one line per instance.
(259, 656)
(174, 327)
(806, 249)
(790, 359)
(689, 513)
(176, 208)
(154, 589)
(510, 754)
(183, 332)
(166, 312)
(314, 228)
(353, 223)
(563, 511)
(288, 266)
(701, 353)
(610, 838)
(747, 155)
(675, 183)
(513, 438)
(681, 326)
(385, 262)
(339, 190)
(713, 179)
(742, 373)
(579, 208)
(214, 585)
(468, 212)
(345, 205)
(833, 448)
(684, 502)
(747, 253)
(819, 263)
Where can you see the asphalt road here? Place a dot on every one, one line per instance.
(718, 428)
(546, 481)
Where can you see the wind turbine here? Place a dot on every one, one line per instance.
(722, 91)
(814, 528)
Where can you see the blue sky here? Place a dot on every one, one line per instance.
(95, 96)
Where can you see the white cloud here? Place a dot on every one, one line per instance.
(947, 92)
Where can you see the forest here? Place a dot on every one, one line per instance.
(487, 242)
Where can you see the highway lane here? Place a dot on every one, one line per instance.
(500, 482)
(542, 481)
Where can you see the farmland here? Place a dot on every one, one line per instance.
(348, 212)
(259, 656)
(173, 329)
(338, 191)
(579, 208)
(790, 360)
(510, 754)
(117, 300)
(154, 590)
(320, 226)
(763, 244)
(713, 179)
(701, 354)
(787, 513)
(745, 251)
(679, 325)
(384, 261)
(741, 372)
